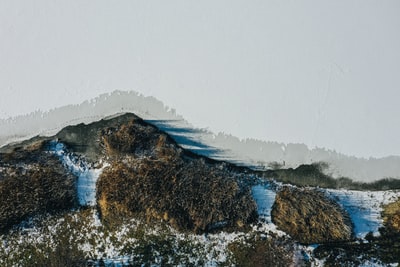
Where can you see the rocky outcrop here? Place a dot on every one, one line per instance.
(33, 181)
(151, 177)
(310, 217)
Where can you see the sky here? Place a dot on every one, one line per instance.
(322, 73)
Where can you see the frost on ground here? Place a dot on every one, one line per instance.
(87, 175)
(364, 207)
(79, 234)
(82, 233)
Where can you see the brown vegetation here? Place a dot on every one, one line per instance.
(391, 216)
(84, 139)
(135, 137)
(384, 248)
(258, 251)
(310, 217)
(31, 182)
(151, 177)
(314, 175)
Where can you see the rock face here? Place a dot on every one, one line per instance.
(151, 177)
(310, 217)
(33, 181)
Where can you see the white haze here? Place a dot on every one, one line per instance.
(322, 73)
(249, 152)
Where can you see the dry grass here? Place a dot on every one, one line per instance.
(309, 217)
(261, 251)
(33, 182)
(151, 177)
(391, 216)
(190, 196)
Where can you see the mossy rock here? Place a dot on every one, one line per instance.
(310, 217)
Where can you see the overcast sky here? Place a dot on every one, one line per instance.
(323, 73)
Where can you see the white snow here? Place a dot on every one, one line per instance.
(87, 176)
(306, 252)
(265, 198)
(375, 263)
(364, 207)
(87, 186)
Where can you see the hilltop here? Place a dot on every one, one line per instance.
(217, 145)
(122, 191)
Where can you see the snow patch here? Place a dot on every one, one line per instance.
(265, 198)
(87, 175)
(364, 207)
(306, 253)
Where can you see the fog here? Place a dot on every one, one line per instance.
(220, 146)
(320, 73)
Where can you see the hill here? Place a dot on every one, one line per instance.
(121, 191)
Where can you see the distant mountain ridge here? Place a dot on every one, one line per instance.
(223, 146)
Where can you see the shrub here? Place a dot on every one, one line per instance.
(151, 177)
(310, 217)
(261, 251)
(190, 196)
(33, 182)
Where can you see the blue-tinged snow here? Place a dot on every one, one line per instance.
(87, 176)
(364, 207)
(265, 198)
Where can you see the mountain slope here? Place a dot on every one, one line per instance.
(122, 190)
(33, 182)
